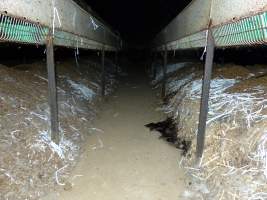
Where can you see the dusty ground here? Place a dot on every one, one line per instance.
(123, 160)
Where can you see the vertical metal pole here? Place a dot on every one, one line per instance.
(116, 63)
(52, 89)
(204, 106)
(76, 55)
(165, 60)
(103, 71)
(154, 68)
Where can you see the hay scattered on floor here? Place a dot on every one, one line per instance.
(30, 163)
(234, 165)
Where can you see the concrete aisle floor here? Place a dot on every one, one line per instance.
(126, 161)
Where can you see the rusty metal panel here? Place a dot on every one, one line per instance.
(226, 11)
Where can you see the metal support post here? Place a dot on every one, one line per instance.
(116, 63)
(164, 80)
(76, 55)
(154, 59)
(204, 106)
(52, 89)
(103, 72)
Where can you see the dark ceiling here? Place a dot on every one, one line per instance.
(138, 21)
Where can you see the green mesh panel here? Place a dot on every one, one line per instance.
(22, 31)
(18, 30)
(251, 30)
(246, 31)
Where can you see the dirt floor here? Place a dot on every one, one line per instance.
(122, 159)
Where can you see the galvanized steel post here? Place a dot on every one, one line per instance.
(204, 106)
(52, 89)
(103, 84)
(164, 80)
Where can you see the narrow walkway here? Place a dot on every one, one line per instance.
(126, 161)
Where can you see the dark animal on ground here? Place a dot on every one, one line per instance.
(167, 128)
(168, 131)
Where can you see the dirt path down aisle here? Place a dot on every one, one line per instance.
(126, 161)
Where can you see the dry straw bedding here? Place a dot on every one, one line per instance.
(234, 164)
(30, 163)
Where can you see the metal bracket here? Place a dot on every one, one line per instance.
(52, 89)
(204, 106)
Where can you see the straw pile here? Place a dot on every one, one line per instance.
(30, 163)
(234, 165)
